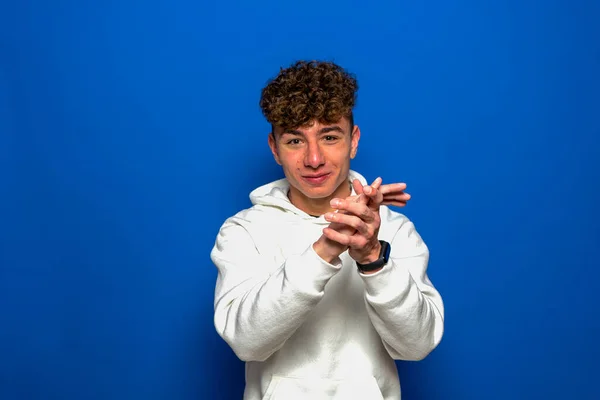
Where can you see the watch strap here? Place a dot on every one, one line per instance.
(384, 255)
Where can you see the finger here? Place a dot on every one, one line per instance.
(345, 229)
(375, 196)
(358, 209)
(357, 186)
(346, 240)
(376, 183)
(398, 197)
(374, 186)
(394, 203)
(354, 199)
(393, 188)
(349, 220)
(359, 189)
(370, 191)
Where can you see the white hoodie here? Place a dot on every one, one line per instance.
(308, 329)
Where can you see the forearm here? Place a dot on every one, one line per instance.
(257, 316)
(408, 316)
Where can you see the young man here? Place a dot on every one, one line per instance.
(321, 286)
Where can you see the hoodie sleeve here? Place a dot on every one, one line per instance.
(259, 305)
(404, 306)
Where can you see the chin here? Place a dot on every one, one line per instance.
(318, 192)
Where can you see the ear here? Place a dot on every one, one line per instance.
(273, 146)
(354, 141)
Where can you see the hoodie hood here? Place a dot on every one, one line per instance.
(275, 194)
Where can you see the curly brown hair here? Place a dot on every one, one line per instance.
(307, 91)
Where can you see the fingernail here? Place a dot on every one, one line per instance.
(335, 202)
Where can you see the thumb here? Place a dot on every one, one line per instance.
(358, 188)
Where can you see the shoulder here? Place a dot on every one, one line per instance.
(236, 234)
(260, 224)
(244, 220)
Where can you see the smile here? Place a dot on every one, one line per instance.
(316, 179)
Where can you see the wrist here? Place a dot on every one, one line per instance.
(369, 265)
(327, 249)
(372, 256)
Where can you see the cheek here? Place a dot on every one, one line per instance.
(292, 162)
(339, 157)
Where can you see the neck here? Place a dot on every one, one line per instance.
(320, 206)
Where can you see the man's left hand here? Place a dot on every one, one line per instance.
(363, 244)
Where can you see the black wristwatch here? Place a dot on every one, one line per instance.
(384, 256)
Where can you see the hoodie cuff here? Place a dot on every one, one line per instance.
(384, 285)
(310, 273)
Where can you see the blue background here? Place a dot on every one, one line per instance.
(130, 130)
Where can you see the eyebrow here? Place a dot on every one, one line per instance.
(327, 129)
(334, 128)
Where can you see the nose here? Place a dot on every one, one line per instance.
(314, 156)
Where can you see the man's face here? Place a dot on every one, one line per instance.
(316, 159)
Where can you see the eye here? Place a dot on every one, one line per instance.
(330, 138)
(294, 141)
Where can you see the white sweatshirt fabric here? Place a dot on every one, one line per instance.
(308, 329)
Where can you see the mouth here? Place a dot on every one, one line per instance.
(316, 179)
